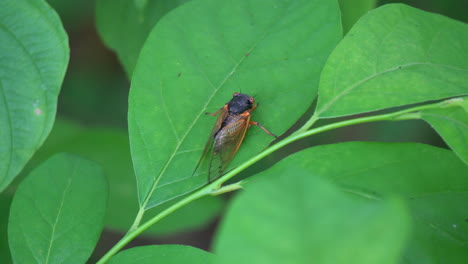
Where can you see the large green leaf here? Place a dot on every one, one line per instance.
(110, 148)
(432, 180)
(452, 125)
(33, 58)
(124, 25)
(201, 53)
(57, 213)
(291, 216)
(351, 11)
(167, 254)
(395, 55)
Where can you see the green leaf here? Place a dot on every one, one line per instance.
(197, 56)
(289, 215)
(110, 148)
(351, 11)
(58, 211)
(432, 181)
(452, 125)
(124, 25)
(33, 58)
(167, 254)
(394, 55)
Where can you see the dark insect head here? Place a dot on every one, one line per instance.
(240, 103)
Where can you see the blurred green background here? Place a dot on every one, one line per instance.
(92, 121)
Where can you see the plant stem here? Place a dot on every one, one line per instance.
(138, 218)
(227, 188)
(214, 188)
(138, 230)
(308, 124)
(458, 101)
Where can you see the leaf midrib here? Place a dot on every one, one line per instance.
(49, 249)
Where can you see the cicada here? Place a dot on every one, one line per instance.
(227, 134)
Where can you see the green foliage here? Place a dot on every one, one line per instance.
(304, 212)
(351, 11)
(124, 25)
(61, 224)
(355, 202)
(33, 57)
(395, 55)
(432, 181)
(200, 54)
(452, 125)
(168, 254)
(110, 147)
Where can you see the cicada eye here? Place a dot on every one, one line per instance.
(252, 100)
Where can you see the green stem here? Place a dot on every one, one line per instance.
(214, 187)
(308, 124)
(458, 101)
(138, 230)
(228, 188)
(138, 218)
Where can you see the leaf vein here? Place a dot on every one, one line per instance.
(52, 236)
(166, 112)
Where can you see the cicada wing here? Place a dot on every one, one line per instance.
(226, 144)
(208, 150)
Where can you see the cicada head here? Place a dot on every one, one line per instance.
(240, 103)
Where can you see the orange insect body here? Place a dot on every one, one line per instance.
(228, 134)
